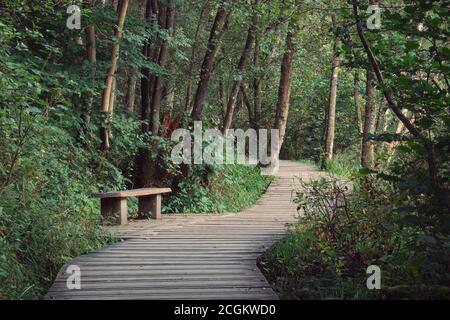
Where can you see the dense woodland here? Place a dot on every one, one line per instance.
(93, 109)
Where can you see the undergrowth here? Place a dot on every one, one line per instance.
(229, 188)
(341, 232)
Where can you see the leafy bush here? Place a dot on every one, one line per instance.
(344, 164)
(341, 233)
(49, 166)
(46, 214)
(229, 188)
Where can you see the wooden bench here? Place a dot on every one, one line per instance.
(114, 204)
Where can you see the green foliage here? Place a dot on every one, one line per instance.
(410, 50)
(344, 164)
(398, 214)
(199, 196)
(341, 233)
(49, 163)
(46, 214)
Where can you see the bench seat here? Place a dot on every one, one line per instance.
(114, 204)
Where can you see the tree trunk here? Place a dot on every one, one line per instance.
(257, 88)
(170, 100)
(107, 93)
(284, 91)
(389, 95)
(359, 120)
(131, 91)
(260, 74)
(91, 44)
(240, 69)
(152, 91)
(198, 30)
(214, 45)
(367, 147)
(245, 99)
(162, 58)
(130, 98)
(437, 185)
(112, 103)
(331, 121)
(399, 130)
(143, 160)
(392, 145)
(91, 56)
(381, 115)
(223, 99)
(146, 80)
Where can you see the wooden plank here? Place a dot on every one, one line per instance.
(132, 193)
(164, 284)
(173, 293)
(112, 276)
(174, 269)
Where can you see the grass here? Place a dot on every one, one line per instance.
(307, 162)
(344, 164)
(230, 188)
(294, 269)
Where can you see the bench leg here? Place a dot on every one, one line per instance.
(150, 206)
(115, 208)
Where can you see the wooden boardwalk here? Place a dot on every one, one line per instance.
(191, 256)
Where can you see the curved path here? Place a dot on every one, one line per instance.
(191, 256)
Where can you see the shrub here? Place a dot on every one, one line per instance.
(228, 188)
(46, 214)
(341, 233)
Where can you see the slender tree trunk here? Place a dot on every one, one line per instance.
(223, 99)
(387, 120)
(91, 44)
(214, 45)
(331, 121)
(198, 30)
(91, 55)
(392, 145)
(151, 51)
(170, 101)
(247, 103)
(367, 147)
(154, 53)
(92, 58)
(239, 105)
(381, 115)
(152, 91)
(257, 88)
(146, 79)
(163, 55)
(107, 93)
(359, 120)
(132, 75)
(143, 160)
(261, 72)
(112, 104)
(284, 91)
(131, 90)
(240, 69)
